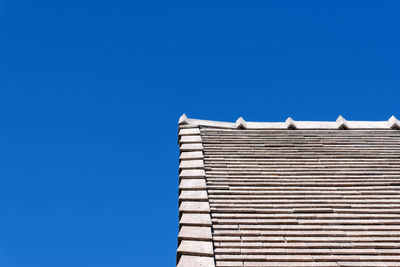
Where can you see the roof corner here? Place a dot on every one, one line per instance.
(183, 119)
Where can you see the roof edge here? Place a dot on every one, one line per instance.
(195, 245)
(340, 123)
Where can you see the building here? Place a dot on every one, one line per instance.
(294, 193)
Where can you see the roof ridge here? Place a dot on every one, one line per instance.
(340, 123)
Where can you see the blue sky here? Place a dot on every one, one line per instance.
(91, 92)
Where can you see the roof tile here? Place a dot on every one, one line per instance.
(194, 206)
(195, 261)
(195, 233)
(192, 219)
(195, 248)
(192, 184)
(191, 164)
(195, 173)
(189, 131)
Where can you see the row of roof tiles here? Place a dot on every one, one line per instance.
(195, 247)
(340, 123)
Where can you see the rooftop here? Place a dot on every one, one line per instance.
(291, 193)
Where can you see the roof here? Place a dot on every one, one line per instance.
(289, 194)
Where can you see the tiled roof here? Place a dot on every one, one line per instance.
(289, 194)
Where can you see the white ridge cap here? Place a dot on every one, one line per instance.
(394, 123)
(290, 123)
(340, 123)
(241, 123)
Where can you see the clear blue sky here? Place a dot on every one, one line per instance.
(91, 91)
